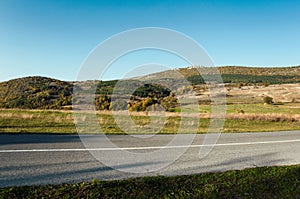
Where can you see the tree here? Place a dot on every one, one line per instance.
(103, 102)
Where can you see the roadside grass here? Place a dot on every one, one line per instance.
(36, 121)
(263, 182)
(244, 125)
(62, 122)
(250, 123)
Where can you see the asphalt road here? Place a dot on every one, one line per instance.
(51, 159)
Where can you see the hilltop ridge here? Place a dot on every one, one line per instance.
(237, 70)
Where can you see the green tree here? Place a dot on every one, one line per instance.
(103, 102)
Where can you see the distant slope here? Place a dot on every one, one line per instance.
(35, 93)
(261, 71)
(241, 70)
(231, 74)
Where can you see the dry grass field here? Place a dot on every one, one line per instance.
(281, 93)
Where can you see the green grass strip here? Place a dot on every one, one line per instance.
(263, 182)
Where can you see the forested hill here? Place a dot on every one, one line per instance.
(47, 93)
(35, 92)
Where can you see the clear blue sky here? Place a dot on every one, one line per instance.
(53, 37)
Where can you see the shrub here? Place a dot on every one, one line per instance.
(268, 100)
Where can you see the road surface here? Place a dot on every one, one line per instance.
(51, 159)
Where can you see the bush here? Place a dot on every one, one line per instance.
(268, 100)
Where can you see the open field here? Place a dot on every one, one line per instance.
(264, 182)
(281, 93)
(239, 94)
(36, 121)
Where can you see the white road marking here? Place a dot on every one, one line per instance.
(143, 148)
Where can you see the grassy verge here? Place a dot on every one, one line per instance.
(37, 121)
(264, 182)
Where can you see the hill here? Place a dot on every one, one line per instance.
(48, 93)
(35, 93)
(230, 74)
(241, 70)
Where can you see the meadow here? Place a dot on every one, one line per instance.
(239, 118)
